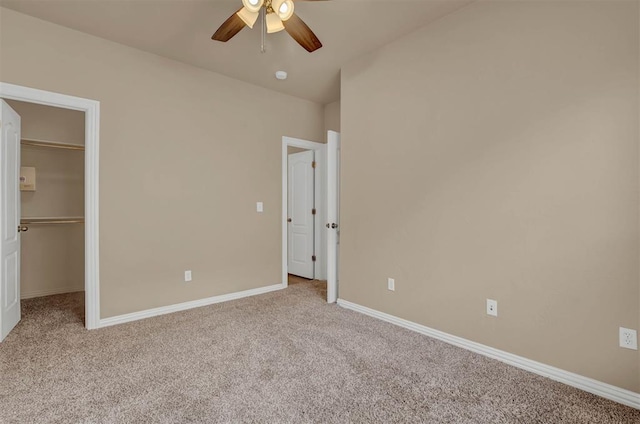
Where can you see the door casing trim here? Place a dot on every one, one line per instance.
(91, 109)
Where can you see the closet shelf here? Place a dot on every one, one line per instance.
(50, 144)
(59, 220)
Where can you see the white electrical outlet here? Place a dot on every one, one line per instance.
(187, 275)
(259, 207)
(628, 338)
(492, 307)
(391, 284)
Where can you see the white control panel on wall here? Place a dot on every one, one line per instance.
(259, 207)
(27, 178)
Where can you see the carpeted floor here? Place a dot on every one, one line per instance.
(282, 357)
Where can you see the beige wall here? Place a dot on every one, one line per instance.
(494, 154)
(331, 122)
(185, 154)
(52, 256)
(291, 149)
(331, 118)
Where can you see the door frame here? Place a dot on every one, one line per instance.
(320, 149)
(91, 109)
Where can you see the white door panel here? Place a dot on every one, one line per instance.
(12, 292)
(333, 214)
(10, 210)
(300, 205)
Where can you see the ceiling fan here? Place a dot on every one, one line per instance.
(277, 15)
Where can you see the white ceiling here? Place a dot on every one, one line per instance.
(182, 29)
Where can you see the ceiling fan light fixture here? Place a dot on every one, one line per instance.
(275, 15)
(284, 8)
(274, 23)
(252, 5)
(248, 17)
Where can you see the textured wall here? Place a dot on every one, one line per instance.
(494, 154)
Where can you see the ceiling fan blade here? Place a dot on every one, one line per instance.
(229, 28)
(300, 32)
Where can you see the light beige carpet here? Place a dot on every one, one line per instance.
(282, 357)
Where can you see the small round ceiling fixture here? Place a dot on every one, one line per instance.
(281, 75)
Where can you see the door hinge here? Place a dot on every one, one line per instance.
(313, 211)
(313, 258)
(313, 164)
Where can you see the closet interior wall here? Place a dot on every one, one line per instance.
(52, 255)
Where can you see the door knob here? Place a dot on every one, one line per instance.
(288, 219)
(22, 228)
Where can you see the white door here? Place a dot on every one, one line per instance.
(300, 206)
(10, 217)
(333, 214)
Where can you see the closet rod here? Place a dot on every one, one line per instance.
(51, 144)
(29, 221)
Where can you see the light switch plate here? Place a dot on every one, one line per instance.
(391, 284)
(259, 207)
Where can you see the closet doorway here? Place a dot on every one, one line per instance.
(54, 170)
(52, 207)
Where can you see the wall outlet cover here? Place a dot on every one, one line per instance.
(628, 338)
(391, 284)
(259, 207)
(187, 275)
(492, 307)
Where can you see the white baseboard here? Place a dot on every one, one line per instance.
(49, 292)
(617, 394)
(148, 313)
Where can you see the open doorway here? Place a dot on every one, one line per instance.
(58, 135)
(51, 210)
(307, 166)
(303, 258)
